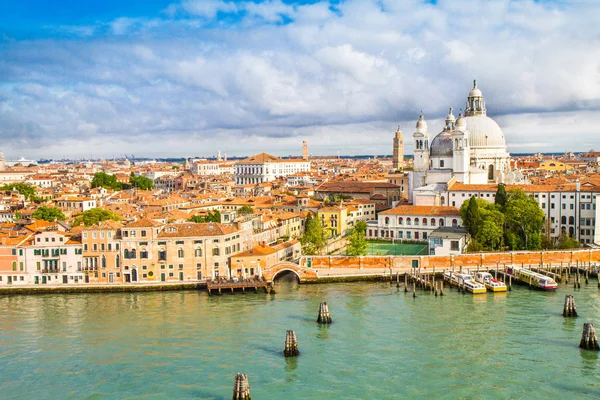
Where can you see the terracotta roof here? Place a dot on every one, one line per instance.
(422, 210)
(354, 186)
(143, 223)
(260, 159)
(190, 229)
(256, 251)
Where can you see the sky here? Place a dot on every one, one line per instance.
(160, 78)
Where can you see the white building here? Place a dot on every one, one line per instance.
(470, 149)
(412, 222)
(264, 167)
(570, 208)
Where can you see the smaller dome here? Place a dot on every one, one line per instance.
(450, 116)
(475, 92)
(461, 123)
(441, 146)
(421, 124)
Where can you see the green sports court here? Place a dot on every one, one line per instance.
(375, 248)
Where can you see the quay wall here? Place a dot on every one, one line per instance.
(87, 288)
(482, 260)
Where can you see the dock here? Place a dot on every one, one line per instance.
(238, 285)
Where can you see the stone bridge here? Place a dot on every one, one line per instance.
(303, 273)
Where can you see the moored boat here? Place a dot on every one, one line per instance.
(491, 284)
(533, 279)
(465, 281)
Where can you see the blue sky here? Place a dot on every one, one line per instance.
(192, 77)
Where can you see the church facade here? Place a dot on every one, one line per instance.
(470, 149)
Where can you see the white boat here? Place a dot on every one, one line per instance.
(491, 284)
(465, 281)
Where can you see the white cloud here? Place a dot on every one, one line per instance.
(189, 83)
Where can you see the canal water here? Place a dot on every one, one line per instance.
(383, 344)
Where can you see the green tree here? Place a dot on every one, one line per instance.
(314, 239)
(471, 216)
(567, 242)
(524, 221)
(141, 182)
(490, 235)
(244, 210)
(501, 196)
(95, 216)
(107, 181)
(24, 189)
(48, 214)
(211, 216)
(357, 245)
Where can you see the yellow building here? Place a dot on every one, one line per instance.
(334, 219)
(553, 165)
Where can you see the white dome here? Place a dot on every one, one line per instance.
(475, 92)
(484, 132)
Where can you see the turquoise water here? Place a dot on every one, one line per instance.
(383, 344)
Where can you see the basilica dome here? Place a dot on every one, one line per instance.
(441, 146)
(484, 132)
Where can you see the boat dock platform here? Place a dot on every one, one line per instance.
(239, 285)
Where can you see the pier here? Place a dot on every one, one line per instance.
(230, 285)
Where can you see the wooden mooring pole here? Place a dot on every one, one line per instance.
(241, 388)
(589, 339)
(291, 345)
(569, 309)
(324, 316)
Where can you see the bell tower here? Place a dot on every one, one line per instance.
(398, 154)
(421, 143)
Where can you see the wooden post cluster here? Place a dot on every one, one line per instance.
(291, 345)
(569, 309)
(241, 388)
(324, 316)
(589, 340)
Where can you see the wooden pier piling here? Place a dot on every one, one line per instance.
(241, 388)
(406, 283)
(569, 309)
(324, 316)
(589, 339)
(414, 289)
(291, 345)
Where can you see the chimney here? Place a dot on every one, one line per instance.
(577, 185)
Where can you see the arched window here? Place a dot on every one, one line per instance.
(454, 223)
(198, 252)
(162, 255)
(441, 222)
(571, 220)
(432, 221)
(180, 253)
(14, 265)
(144, 253)
(408, 221)
(491, 172)
(424, 221)
(132, 253)
(117, 261)
(400, 221)
(103, 261)
(563, 220)
(417, 221)
(387, 220)
(126, 254)
(216, 250)
(571, 231)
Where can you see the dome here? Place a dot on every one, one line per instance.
(484, 132)
(475, 92)
(461, 124)
(421, 124)
(441, 146)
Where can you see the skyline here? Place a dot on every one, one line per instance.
(176, 79)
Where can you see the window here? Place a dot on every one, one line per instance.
(400, 221)
(180, 266)
(441, 222)
(215, 251)
(14, 265)
(387, 220)
(101, 235)
(424, 221)
(180, 253)
(454, 245)
(162, 255)
(143, 233)
(143, 253)
(432, 221)
(198, 252)
(84, 236)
